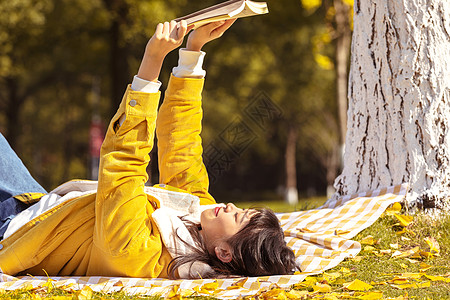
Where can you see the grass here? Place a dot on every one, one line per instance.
(370, 266)
(373, 267)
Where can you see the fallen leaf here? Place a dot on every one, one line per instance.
(296, 294)
(407, 253)
(423, 267)
(331, 277)
(412, 285)
(404, 266)
(118, 283)
(436, 278)
(393, 209)
(85, 293)
(173, 293)
(394, 246)
(369, 248)
(357, 285)
(433, 244)
(238, 284)
(273, 294)
(404, 220)
(321, 288)
(369, 240)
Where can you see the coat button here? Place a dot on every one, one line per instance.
(133, 103)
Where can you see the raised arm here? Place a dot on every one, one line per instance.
(179, 122)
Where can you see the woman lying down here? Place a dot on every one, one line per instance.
(120, 227)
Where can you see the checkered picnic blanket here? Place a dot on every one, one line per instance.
(320, 239)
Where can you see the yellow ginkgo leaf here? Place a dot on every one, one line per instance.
(238, 284)
(211, 286)
(85, 293)
(433, 244)
(404, 266)
(436, 278)
(331, 277)
(173, 293)
(357, 285)
(393, 209)
(369, 240)
(273, 294)
(369, 248)
(423, 267)
(412, 285)
(321, 288)
(404, 220)
(296, 294)
(407, 253)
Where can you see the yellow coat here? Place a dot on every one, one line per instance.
(111, 233)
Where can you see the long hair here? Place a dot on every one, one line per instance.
(258, 249)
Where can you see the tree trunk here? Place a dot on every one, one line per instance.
(291, 193)
(399, 93)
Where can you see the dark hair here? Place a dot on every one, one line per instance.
(258, 249)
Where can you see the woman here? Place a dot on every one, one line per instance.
(121, 227)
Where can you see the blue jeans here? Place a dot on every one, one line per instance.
(15, 179)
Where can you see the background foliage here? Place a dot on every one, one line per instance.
(63, 62)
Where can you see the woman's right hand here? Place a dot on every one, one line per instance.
(167, 37)
(206, 33)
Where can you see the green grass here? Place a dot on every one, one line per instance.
(369, 266)
(381, 268)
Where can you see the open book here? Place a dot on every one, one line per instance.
(226, 10)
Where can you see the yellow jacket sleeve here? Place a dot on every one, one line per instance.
(126, 240)
(179, 143)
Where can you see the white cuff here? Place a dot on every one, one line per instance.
(190, 64)
(142, 85)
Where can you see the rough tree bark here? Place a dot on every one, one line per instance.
(399, 93)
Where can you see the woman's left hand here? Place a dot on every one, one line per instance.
(206, 33)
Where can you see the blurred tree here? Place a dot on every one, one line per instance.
(274, 53)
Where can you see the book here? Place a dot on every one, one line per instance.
(224, 11)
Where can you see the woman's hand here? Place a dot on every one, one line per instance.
(202, 35)
(167, 37)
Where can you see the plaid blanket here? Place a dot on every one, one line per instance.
(320, 239)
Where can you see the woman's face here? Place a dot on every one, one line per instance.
(220, 223)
